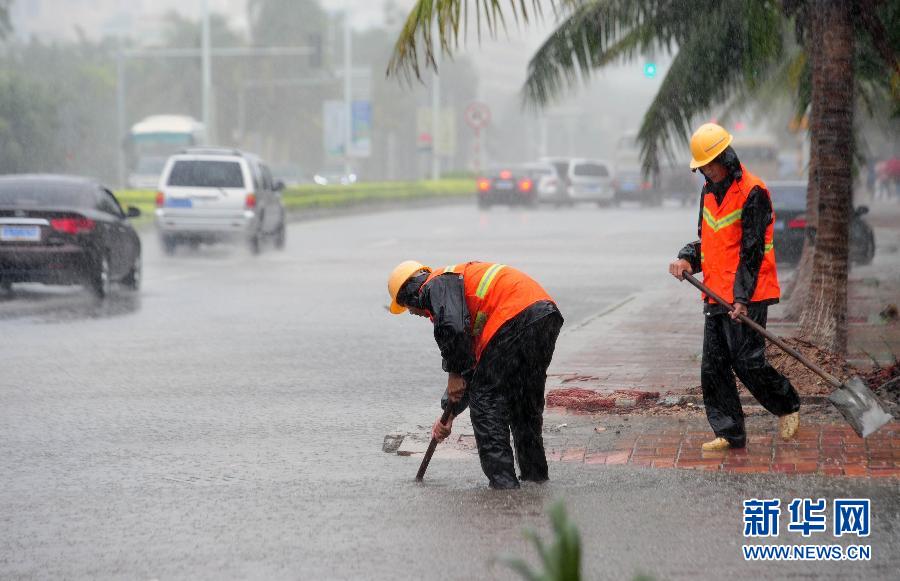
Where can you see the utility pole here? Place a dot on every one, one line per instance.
(348, 90)
(207, 74)
(435, 106)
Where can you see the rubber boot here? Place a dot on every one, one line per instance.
(788, 424)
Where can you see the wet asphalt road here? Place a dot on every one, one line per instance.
(226, 422)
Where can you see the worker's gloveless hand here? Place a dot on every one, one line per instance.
(456, 387)
(739, 309)
(440, 431)
(677, 268)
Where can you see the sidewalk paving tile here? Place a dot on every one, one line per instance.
(817, 452)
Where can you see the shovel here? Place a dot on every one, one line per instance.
(856, 402)
(431, 446)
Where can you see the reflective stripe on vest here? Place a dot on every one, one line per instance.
(722, 222)
(494, 293)
(487, 278)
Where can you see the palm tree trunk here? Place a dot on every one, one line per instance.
(824, 317)
(797, 292)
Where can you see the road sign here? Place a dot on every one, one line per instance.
(478, 115)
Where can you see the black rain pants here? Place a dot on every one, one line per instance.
(730, 346)
(506, 394)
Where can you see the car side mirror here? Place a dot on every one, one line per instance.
(278, 186)
(862, 210)
(133, 212)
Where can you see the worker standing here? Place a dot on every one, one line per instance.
(496, 329)
(737, 256)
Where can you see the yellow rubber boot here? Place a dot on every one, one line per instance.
(787, 425)
(715, 445)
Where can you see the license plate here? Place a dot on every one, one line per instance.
(592, 188)
(626, 187)
(779, 224)
(20, 234)
(179, 203)
(503, 185)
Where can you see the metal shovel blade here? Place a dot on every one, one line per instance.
(860, 407)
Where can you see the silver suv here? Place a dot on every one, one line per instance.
(591, 180)
(210, 195)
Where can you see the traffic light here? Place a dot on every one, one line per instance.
(649, 70)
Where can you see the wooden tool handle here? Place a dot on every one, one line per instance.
(432, 445)
(766, 333)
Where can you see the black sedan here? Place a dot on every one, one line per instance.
(507, 185)
(66, 230)
(789, 201)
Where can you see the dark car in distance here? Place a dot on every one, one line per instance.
(510, 185)
(789, 202)
(66, 230)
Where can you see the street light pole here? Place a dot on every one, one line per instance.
(207, 74)
(348, 91)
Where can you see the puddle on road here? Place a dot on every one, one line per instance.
(48, 304)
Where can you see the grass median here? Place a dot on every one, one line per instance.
(313, 196)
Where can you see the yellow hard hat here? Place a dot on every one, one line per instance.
(707, 142)
(401, 273)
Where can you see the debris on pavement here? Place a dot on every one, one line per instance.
(587, 400)
(805, 381)
(392, 442)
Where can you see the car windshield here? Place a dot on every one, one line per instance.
(504, 172)
(44, 194)
(593, 170)
(789, 197)
(629, 174)
(204, 173)
(561, 167)
(539, 170)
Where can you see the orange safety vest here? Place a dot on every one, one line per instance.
(720, 243)
(495, 293)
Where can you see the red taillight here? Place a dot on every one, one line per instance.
(72, 225)
(525, 185)
(160, 199)
(505, 174)
(798, 222)
(250, 201)
(484, 185)
(646, 185)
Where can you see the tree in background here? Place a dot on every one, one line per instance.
(4, 18)
(28, 124)
(283, 96)
(173, 85)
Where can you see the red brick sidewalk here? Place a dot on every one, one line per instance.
(829, 449)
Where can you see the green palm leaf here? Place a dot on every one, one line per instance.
(418, 30)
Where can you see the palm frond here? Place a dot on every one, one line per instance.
(445, 17)
(596, 33)
(702, 76)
